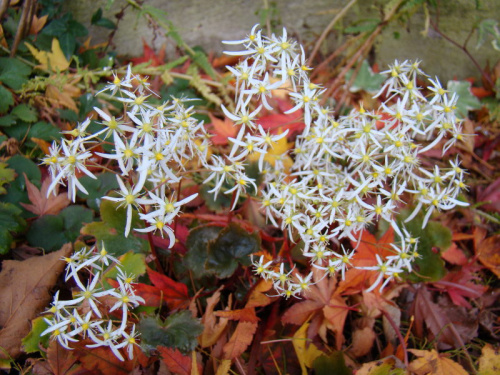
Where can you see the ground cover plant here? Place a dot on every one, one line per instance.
(258, 212)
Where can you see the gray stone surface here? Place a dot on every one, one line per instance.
(207, 22)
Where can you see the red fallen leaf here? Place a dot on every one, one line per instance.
(149, 55)
(151, 294)
(175, 294)
(491, 195)
(460, 285)
(176, 362)
(223, 129)
(40, 204)
(435, 319)
(454, 255)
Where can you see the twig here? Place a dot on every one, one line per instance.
(23, 23)
(398, 333)
(328, 28)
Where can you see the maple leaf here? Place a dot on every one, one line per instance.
(24, 291)
(176, 362)
(489, 255)
(323, 304)
(59, 361)
(164, 288)
(222, 129)
(150, 56)
(54, 60)
(306, 353)
(357, 280)
(431, 363)
(460, 284)
(435, 319)
(40, 203)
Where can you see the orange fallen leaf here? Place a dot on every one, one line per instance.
(222, 130)
(40, 203)
(489, 254)
(176, 362)
(212, 329)
(240, 340)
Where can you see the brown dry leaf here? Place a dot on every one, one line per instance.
(489, 363)
(37, 24)
(41, 205)
(362, 341)
(376, 367)
(102, 361)
(24, 292)
(57, 98)
(211, 328)
(240, 340)
(489, 254)
(175, 361)
(61, 360)
(436, 320)
(431, 363)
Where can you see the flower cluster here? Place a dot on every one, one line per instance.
(151, 146)
(84, 317)
(348, 171)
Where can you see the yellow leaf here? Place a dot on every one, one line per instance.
(54, 60)
(305, 353)
(431, 363)
(224, 367)
(194, 365)
(489, 363)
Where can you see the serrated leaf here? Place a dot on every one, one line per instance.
(52, 231)
(17, 190)
(466, 100)
(6, 99)
(179, 331)
(13, 73)
(366, 79)
(112, 227)
(7, 175)
(40, 203)
(10, 221)
(25, 113)
(197, 245)
(232, 246)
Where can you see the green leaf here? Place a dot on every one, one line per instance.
(31, 343)
(6, 99)
(466, 101)
(131, 264)
(200, 59)
(197, 245)
(13, 73)
(17, 190)
(112, 228)
(179, 331)
(430, 266)
(97, 188)
(365, 80)
(44, 130)
(52, 231)
(323, 365)
(10, 221)
(222, 201)
(7, 175)
(7, 120)
(232, 246)
(25, 112)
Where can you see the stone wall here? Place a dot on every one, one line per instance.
(207, 22)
